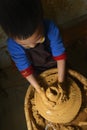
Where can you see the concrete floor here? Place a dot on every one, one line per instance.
(12, 102)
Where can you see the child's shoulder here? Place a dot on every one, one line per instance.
(13, 47)
(50, 27)
(11, 43)
(48, 23)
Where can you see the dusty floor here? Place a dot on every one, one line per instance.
(14, 88)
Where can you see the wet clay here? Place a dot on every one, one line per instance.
(62, 112)
(62, 116)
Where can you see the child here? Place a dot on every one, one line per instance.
(34, 43)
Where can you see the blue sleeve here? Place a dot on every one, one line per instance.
(18, 55)
(56, 43)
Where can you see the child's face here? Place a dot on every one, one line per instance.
(32, 41)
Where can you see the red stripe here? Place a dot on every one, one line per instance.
(63, 56)
(27, 72)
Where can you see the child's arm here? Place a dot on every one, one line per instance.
(61, 70)
(34, 82)
(57, 49)
(61, 79)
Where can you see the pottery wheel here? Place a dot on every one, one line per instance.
(64, 112)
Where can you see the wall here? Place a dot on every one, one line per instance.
(63, 11)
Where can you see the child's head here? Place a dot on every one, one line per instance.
(34, 39)
(20, 18)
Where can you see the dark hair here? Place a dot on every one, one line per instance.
(20, 18)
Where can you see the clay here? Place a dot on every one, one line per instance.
(52, 94)
(63, 112)
(73, 111)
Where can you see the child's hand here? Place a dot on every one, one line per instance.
(46, 101)
(63, 92)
